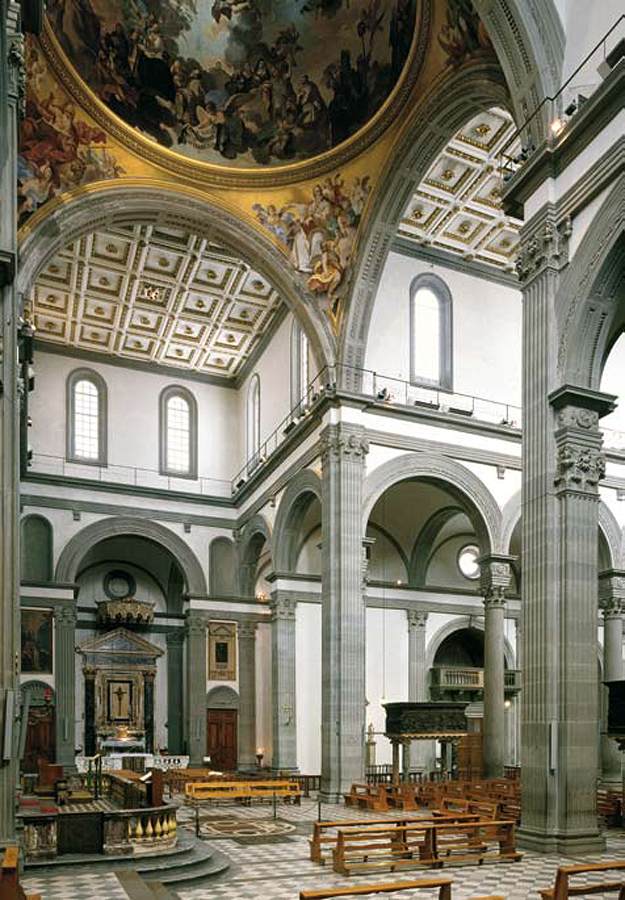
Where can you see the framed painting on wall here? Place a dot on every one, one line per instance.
(119, 696)
(36, 643)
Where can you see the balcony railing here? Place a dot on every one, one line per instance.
(47, 464)
(559, 111)
(365, 383)
(457, 678)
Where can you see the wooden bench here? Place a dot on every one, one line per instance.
(243, 790)
(367, 796)
(609, 807)
(430, 844)
(9, 877)
(562, 889)
(443, 885)
(325, 833)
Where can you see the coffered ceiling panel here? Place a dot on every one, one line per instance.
(158, 295)
(457, 206)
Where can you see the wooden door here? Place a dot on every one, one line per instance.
(221, 739)
(39, 738)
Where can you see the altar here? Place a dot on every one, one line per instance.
(119, 669)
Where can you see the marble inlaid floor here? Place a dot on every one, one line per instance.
(280, 868)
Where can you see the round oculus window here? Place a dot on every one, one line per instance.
(468, 561)
(118, 585)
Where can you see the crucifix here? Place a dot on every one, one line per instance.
(120, 693)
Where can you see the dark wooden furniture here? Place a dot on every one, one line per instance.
(10, 888)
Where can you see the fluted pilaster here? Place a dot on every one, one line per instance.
(344, 449)
(283, 668)
(247, 695)
(65, 678)
(196, 631)
(612, 605)
(175, 693)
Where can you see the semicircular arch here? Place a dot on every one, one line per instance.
(129, 201)
(463, 623)
(291, 511)
(75, 549)
(465, 488)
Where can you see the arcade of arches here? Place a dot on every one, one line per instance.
(312, 357)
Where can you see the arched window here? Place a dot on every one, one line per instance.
(86, 417)
(36, 549)
(178, 433)
(253, 419)
(300, 375)
(430, 332)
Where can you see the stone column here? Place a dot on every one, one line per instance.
(247, 695)
(612, 604)
(495, 580)
(90, 732)
(344, 448)
(406, 759)
(423, 751)
(284, 723)
(12, 74)
(175, 693)
(196, 629)
(65, 684)
(148, 710)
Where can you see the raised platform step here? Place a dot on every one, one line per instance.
(191, 861)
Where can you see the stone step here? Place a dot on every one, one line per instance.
(185, 845)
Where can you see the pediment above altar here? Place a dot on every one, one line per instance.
(119, 646)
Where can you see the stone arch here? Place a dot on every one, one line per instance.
(222, 697)
(128, 200)
(458, 96)
(422, 546)
(589, 317)
(465, 487)
(289, 517)
(256, 527)
(76, 548)
(459, 624)
(608, 524)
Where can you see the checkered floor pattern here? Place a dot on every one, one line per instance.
(279, 870)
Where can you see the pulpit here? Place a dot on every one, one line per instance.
(407, 722)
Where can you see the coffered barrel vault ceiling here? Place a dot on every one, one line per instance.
(156, 295)
(457, 206)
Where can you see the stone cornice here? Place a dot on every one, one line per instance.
(582, 398)
(407, 247)
(548, 162)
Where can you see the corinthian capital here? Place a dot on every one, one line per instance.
(347, 442)
(544, 245)
(282, 608)
(495, 577)
(612, 593)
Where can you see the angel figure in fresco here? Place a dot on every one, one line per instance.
(229, 8)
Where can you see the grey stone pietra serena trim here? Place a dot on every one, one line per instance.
(292, 508)
(12, 99)
(407, 246)
(175, 693)
(495, 578)
(196, 635)
(74, 550)
(246, 632)
(344, 449)
(65, 682)
(612, 606)
(283, 682)
(120, 204)
(99, 383)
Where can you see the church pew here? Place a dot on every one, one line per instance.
(425, 844)
(325, 833)
(563, 889)
(10, 888)
(367, 796)
(243, 790)
(443, 884)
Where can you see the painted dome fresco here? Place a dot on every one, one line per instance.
(243, 83)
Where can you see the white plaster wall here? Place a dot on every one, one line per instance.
(387, 670)
(133, 415)
(92, 585)
(308, 687)
(585, 26)
(486, 330)
(274, 371)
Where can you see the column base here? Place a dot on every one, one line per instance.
(564, 844)
(293, 770)
(330, 797)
